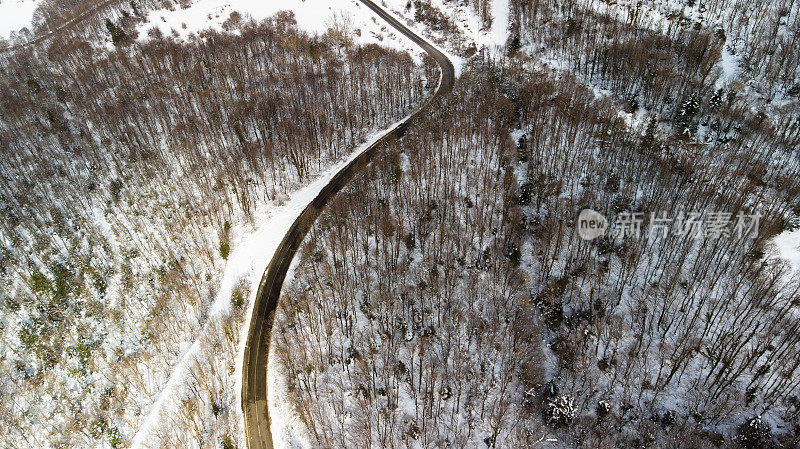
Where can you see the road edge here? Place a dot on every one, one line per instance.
(254, 391)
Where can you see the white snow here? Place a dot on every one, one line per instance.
(499, 32)
(263, 244)
(466, 20)
(314, 16)
(252, 253)
(730, 67)
(397, 9)
(16, 15)
(788, 246)
(470, 24)
(250, 256)
(288, 430)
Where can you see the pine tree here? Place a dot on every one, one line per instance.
(649, 139)
(117, 34)
(514, 43)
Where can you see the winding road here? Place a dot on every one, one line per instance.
(254, 373)
(254, 382)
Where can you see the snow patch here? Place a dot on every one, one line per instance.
(468, 22)
(729, 63)
(499, 33)
(313, 16)
(16, 15)
(788, 247)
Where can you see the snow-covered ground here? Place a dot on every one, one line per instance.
(254, 251)
(286, 430)
(249, 259)
(16, 15)
(469, 24)
(318, 16)
(500, 17)
(788, 247)
(314, 16)
(730, 65)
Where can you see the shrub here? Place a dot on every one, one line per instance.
(40, 283)
(560, 410)
(525, 192)
(225, 249)
(227, 442)
(603, 408)
(754, 433)
(113, 436)
(237, 299)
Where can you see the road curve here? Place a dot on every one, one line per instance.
(254, 372)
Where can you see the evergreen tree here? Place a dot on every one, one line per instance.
(117, 34)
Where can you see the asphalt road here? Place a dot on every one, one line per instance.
(254, 381)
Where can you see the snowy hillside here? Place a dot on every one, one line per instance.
(591, 240)
(150, 190)
(313, 16)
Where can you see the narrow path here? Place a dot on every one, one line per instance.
(254, 373)
(70, 22)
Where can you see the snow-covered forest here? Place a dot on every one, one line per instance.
(126, 175)
(408, 323)
(445, 297)
(413, 329)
